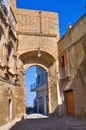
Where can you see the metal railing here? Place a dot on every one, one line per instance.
(35, 85)
(63, 72)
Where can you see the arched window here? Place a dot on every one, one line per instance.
(10, 56)
(10, 49)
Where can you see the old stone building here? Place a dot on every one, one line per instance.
(40, 87)
(72, 68)
(24, 34)
(38, 32)
(8, 63)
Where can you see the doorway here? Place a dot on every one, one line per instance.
(70, 103)
(9, 109)
(41, 105)
(36, 90)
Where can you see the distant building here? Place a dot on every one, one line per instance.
(40, 87)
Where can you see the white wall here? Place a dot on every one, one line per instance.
(42, 94)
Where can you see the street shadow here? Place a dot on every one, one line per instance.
(49, 123)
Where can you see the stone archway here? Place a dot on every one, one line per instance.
(38, 30)
(36, 88)
(48, 63)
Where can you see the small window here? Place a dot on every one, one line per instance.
(62, 61)
(10, 48)
(63, 65)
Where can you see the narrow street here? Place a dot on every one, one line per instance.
(39, 122)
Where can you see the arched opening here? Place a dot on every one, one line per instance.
(10, 56)
(10, 109)
(36, 90)
(48, 63)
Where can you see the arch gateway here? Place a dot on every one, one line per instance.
(37, 31)
(24, 34)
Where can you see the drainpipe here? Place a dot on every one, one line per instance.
(40, 22)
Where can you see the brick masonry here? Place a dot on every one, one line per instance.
(38, 30)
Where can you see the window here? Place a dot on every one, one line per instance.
(11, 57)
(62, 61)
(63, 65)
(10, 50)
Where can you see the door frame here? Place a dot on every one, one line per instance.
(10, 109)
(65, 102)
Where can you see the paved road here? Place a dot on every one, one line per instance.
(50, 123)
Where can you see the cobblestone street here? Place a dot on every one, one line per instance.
(50, 123)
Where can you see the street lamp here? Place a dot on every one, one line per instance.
(39, 53)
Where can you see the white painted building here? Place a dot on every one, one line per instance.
(40, 87)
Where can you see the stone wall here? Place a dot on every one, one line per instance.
(74, 45)
(6, 94)
(9, 84)
(38, 30)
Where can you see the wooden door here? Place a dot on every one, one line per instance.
(70, 103)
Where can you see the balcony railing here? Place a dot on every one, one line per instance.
(35, 85)
(63, 72)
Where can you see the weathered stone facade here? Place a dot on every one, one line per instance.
(72, 47)
(38, 31)
(22, 35)
(12, 94)
(9, 85)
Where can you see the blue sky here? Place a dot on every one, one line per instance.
(30, 79)
(69, 12)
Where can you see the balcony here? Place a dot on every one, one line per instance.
(64, 74)
(35, 87)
